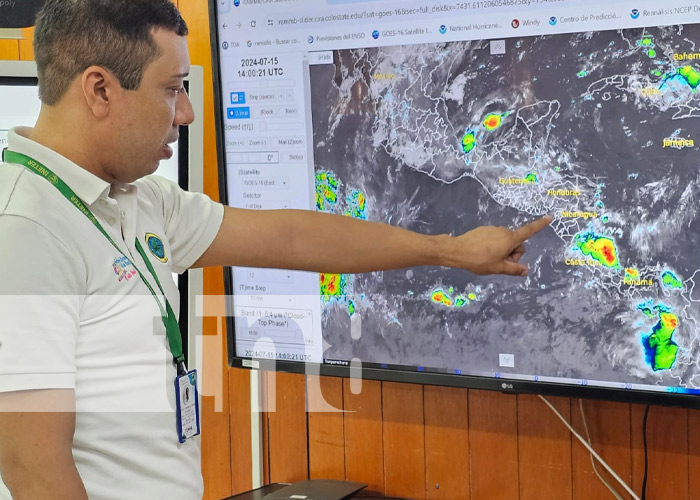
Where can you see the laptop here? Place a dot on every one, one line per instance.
(317, 489)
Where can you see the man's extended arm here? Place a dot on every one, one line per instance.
(305, 240)
(36, 441)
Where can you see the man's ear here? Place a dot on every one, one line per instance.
(99, 88)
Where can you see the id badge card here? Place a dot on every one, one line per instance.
(187, 400)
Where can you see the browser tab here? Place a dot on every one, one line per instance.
(325, 57)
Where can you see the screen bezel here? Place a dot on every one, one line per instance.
(504, 384)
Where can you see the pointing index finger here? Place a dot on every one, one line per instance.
(525, 232)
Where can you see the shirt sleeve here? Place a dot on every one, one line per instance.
(192, 220)
(41, 282)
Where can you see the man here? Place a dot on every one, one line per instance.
(86, 369)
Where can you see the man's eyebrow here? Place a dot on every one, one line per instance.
(181, 75)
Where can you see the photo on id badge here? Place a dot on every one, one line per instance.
(187, 406)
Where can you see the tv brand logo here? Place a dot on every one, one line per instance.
(506, 386)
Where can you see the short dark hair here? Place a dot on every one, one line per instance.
(72, 35)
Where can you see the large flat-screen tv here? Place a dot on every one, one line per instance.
(20, 105)
(442, 117)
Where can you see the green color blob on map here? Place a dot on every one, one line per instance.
(646, 42)
(460, 301)
(660, 349)
(471, 296)
(531, 178)
(333, 284)
(351, 308)
(670, 280)
(441, 297)
(690, 75)
(357, 205)
(468, 142)
(493, 121)
(600, 248)
(326, 191)
(582, 74)
(652, 53)
(647, 312)
(631, 273)
(655, 72)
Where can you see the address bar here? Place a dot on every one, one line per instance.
(443, 8)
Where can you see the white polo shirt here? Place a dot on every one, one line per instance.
(75, 315)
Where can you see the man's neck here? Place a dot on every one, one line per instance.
(61, 138)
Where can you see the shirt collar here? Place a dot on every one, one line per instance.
(86, 185)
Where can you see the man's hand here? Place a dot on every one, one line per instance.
(312, 241)
(493, 250)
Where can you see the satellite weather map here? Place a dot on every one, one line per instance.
(597, 129)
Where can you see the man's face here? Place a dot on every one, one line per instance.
(147, 119)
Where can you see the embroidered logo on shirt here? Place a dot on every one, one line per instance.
(155, 245)
(124, 269)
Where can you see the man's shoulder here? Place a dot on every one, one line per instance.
(16, 189)
(26, 195)
(155, 186)
(10, 174)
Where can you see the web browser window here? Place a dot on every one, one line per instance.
(442, 116)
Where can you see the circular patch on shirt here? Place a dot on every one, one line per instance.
(155, 245)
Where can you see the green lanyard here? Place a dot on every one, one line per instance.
(169, 320)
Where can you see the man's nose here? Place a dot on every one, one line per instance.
(184, 113)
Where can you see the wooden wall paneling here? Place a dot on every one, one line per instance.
(264, 379)
(240, 430)
(217, 443)
(324, 399)
(196, 13)
(609, 427)
(287, 430)
(493, 446)
(9, 50)
(694, 452)
(667, 439)
(364, 453)
(544, 449)
(446, 443)
(404, 440)
(26, 50)
(215, 410)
